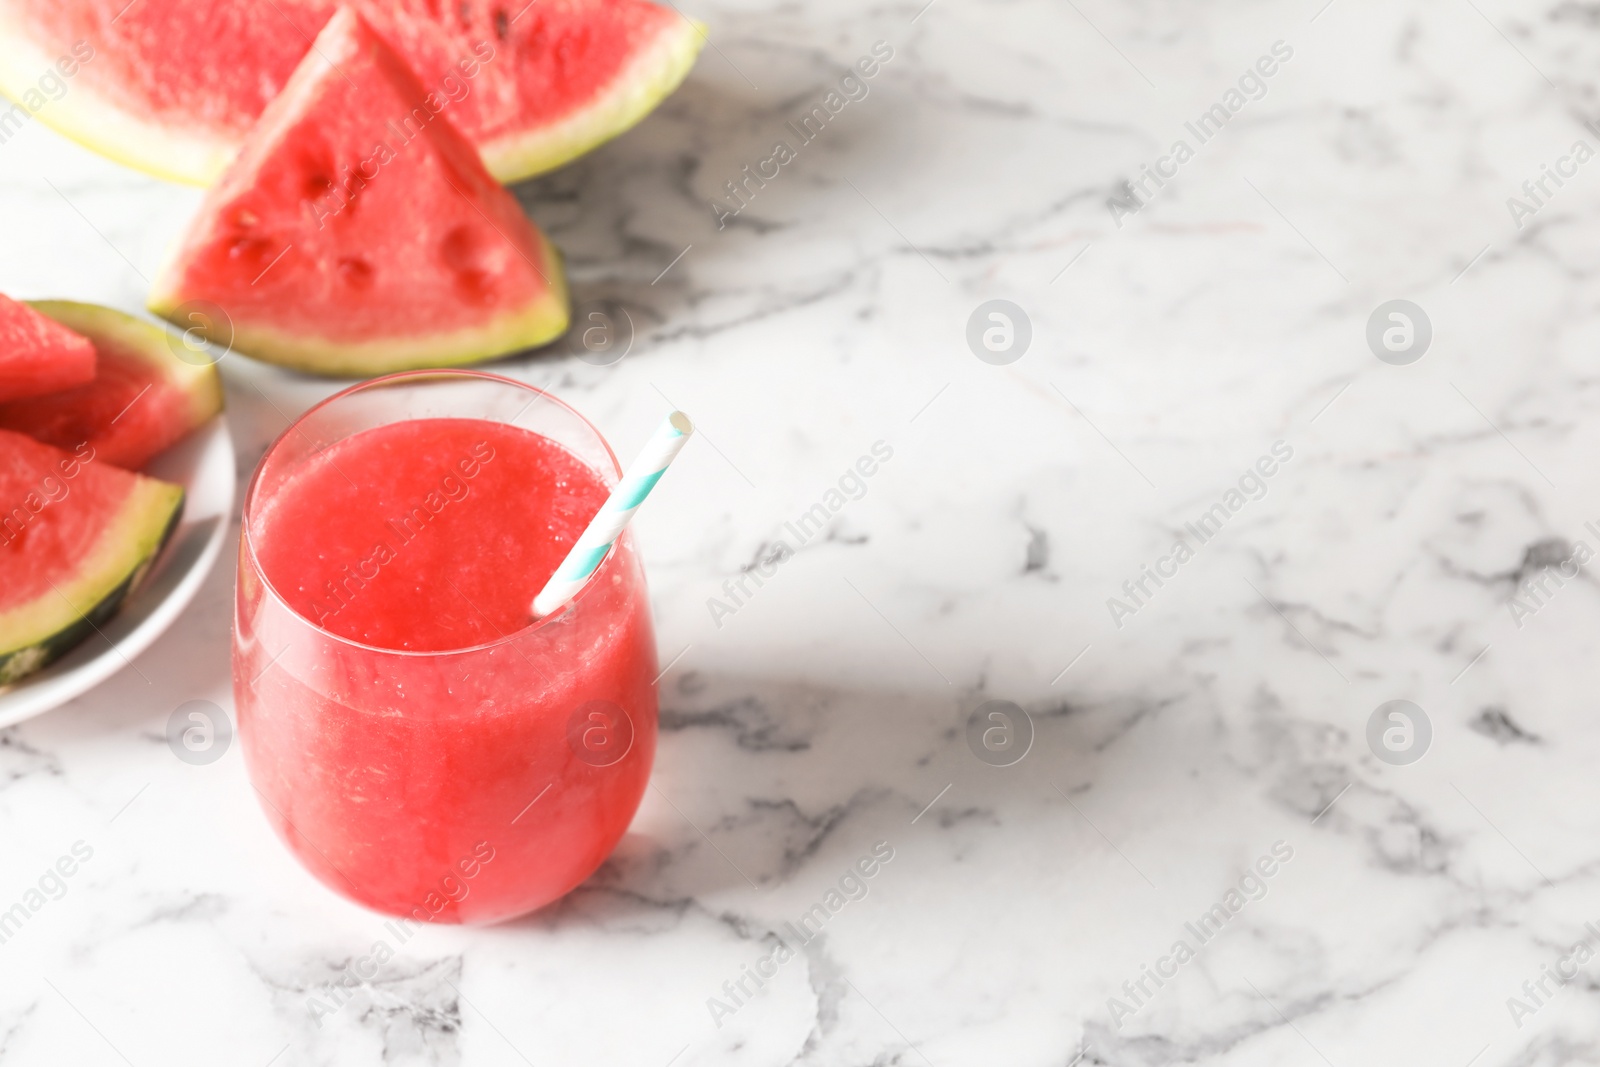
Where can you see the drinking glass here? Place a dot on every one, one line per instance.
(465, 785)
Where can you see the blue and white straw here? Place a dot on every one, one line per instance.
(614, 514)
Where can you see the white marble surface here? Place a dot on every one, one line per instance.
(829, 713)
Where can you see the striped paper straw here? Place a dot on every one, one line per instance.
(614, 515)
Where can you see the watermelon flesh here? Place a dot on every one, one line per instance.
(142, 400)
(358, 232)
(38, 356)
(173, 87)
(75, 537)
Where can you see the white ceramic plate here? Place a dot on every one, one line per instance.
(204, 466)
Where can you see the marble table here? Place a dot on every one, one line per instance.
(1198, 832)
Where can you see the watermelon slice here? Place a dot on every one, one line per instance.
(346, 241)
(75, 537)
(143, 399)
(172, 86)
(38, 356)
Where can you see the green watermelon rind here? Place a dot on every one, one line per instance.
(199, 382)
(537, 323)
(652, 77)
(103, 125)
(36, 634)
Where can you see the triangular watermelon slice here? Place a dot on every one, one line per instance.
(356, 235)
(173, 86)
(38, 356)
(75, 537)
(143, 398)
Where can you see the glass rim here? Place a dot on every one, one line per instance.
(389, 379)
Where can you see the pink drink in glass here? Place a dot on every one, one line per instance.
(422, 745)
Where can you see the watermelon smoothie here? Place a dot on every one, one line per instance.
(420, 742)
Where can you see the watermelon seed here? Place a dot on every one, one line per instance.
(247, 248)
(475, 264)
(461, 249)
(502, 25)
(475, 286)
(356, 272)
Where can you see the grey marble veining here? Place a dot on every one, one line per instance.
(1225, 720)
